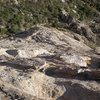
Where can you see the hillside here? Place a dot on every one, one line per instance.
(19, 15)
(49, 49)
(47, 64)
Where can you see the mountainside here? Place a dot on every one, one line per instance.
(49, 49)
(19, 15)
(47, 64)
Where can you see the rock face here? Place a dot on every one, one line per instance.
(97, 50)
(47, 64)
(75, 59)
(77, 26)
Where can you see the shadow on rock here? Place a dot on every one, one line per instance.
(26, 34)
(78, 92)
(95, 63)
(17, 66)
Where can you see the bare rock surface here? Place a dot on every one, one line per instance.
(97, 50)
(47, 64)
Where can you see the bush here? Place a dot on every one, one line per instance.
(16, 18)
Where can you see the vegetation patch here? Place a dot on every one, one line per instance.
(15, 18)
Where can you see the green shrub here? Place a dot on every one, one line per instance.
(16, 18)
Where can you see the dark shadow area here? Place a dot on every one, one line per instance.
(23, 64)
(12, 52)
(25, 34)
(42, 38)
(54, 59)
(63, 70)
(72, 74)
(17, 66)
(95, 63)
(77, 92)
